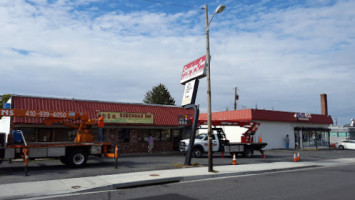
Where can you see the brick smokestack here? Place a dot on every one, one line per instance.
(324, 104)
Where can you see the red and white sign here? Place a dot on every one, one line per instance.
(195, 69)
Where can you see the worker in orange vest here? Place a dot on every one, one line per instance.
(100, 125)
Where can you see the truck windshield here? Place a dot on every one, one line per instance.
(201, 136)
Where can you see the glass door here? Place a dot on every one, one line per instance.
(309, 139)
(297, 139)
(322, 139)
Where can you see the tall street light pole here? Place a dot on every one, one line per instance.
(219, 9)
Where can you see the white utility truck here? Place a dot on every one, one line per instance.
(220, 143)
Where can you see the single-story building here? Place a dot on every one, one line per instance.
(340, 133)
(304, 130)
(126, 124)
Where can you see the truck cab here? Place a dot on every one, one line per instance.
(201, 142)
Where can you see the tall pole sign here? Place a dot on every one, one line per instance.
(190, 75)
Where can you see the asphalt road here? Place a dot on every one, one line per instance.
(54, 169)
(312, 183)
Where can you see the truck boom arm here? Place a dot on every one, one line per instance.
(247, 136)
(83, 134)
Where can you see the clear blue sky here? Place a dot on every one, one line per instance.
(280, 54)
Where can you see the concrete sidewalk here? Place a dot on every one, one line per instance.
(109, 182)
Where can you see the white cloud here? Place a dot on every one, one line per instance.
(278, 57)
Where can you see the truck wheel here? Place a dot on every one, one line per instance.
(197, 152)
(77, 158)
(248, 152)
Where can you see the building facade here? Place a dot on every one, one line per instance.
(340, 133)
(304, 130)
(128, 125)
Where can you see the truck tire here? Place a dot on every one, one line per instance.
(248, 152)
(77, 158)
(197, 152)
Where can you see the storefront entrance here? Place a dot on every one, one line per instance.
(308, 138)
(297, 139)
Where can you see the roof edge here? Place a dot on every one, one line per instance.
(94, 101)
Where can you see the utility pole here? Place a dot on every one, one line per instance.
(209, 112)
(236, 98)
(219, 9)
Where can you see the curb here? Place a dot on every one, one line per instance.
(144, 183)
(217, 175)
(161, 181)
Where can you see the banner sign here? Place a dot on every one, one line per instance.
(128, 118)
(42, 114)
(303, 116)
(195, 69)
(190, 92)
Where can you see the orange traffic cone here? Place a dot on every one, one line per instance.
(234, 160)
(294, 157)
(298, 156)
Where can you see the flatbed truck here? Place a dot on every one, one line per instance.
(73, 153)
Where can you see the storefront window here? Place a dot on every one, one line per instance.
(142, 135)
(44, 135)
(315, 138)
(312, 141)
(72, 134)
(29, 134)
(305, 138)
(297, 139)
(121, 135)
(124, 135)
(155, 134)
(343, 135)
(61, 134)
(176, 139)
(186, 134)
(322, 139)
(165, 135)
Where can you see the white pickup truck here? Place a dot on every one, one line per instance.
(220, 144)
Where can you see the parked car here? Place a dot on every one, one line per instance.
(346, 144)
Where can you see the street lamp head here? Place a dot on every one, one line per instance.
(220, 8)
